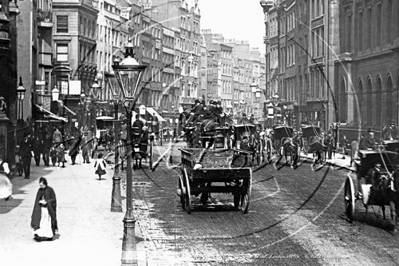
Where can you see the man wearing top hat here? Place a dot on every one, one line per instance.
(368, 143)
(390, 131)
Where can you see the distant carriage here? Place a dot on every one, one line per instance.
(253, 147)
(285, 145)
(142, 148)
(313, 142)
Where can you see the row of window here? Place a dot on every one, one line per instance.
(316, 8)
(226, 86)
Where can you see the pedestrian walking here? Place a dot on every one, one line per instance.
(18, 168)
(25, 149)
(100, 165)
(86, 142)
(47, 142)
(61, 155)
(74, 149)
(57, 136)
(37, 147)
(44, 215)
(344, 143)
(5, 183)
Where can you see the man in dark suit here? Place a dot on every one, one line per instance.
(37, 146)
(368, 143)
(25, 150)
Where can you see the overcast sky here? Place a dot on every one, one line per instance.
(236, 19)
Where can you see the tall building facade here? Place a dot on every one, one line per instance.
(367, 75)
(302, 44)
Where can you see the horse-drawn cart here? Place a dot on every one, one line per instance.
(214, 171)
(281, 134)
(379, 169)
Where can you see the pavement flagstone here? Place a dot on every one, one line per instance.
(89, 233)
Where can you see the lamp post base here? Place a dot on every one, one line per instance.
(129, 250)
(116, 199)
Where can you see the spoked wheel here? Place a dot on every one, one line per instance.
(236, 198)
(245, 195)
(151, 155)
(182, 192)
(187, 195)
(349, 198)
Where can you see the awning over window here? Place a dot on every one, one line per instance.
(153, 112)
(50, 114)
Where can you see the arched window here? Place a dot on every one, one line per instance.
(343, 107)
(368, 106)
(379, 119)
(389, 101)
(358, 104)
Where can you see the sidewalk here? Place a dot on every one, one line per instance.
(90, 234)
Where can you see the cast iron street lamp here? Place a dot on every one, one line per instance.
(128, 74)
(21, 95)
(116, 200)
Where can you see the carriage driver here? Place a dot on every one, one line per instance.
(367, 143)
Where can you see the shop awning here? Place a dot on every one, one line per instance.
(50, 114)
(105, 118)
(153, 112)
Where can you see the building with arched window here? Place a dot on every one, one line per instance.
(368, 65)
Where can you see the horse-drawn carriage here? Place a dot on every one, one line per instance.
(313, 142)
(285, 144)
(207, 171)
(142, 147)
(379, 169)
(246, 139)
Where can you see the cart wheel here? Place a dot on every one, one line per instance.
(245, 196)
(204, 198)
(187, 195)
(349, 197)
(151, 155)
(182, 191)
(237, 199)
(239, 160)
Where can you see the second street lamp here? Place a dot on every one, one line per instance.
(128, 74)
(116, 201)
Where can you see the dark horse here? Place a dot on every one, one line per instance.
(289, 151)
(316, 147)
(384, 191)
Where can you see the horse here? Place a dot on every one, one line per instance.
(316, 146)
(384, 191)
(289, 149)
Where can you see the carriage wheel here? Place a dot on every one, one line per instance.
(236, 199)
(151, 155)
(349, 198)
(204, 198)
(245, 195)
(187, 195)
(239, 160)
(182, 191)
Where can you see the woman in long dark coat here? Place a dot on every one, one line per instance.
(44, 215)
(74, 149)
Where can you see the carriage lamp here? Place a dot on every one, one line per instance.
(128, 73)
